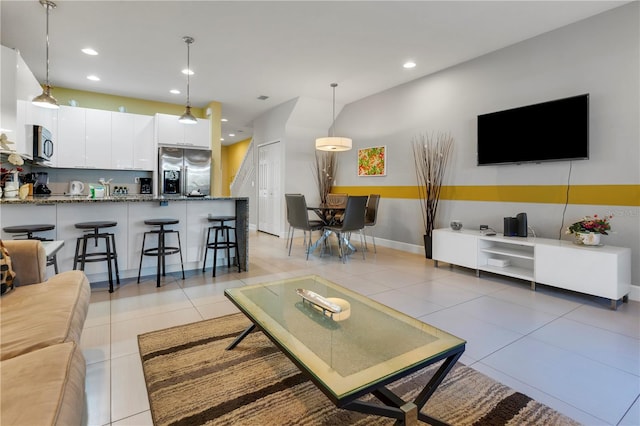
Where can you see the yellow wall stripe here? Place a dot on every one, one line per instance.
(610, 195)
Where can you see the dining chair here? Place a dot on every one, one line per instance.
(371, 217)
(298, 217)
(354, 219)
(336, 201)
(290, 230)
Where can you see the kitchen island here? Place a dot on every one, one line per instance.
(130, 212)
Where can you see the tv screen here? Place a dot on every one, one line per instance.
(549, 131)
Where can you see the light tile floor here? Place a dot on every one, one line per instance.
(566, 350)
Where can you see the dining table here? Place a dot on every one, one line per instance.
(329, 215)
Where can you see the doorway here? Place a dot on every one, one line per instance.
(270, 188)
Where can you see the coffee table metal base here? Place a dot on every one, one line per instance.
(406, 413)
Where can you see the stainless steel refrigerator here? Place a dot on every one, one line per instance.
(184, 171)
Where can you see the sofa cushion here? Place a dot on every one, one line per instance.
(44, 387)
(6, 270)
(41, 315)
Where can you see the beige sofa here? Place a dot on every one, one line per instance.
(42, 370)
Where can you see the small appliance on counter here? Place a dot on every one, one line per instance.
(76, 187)
(145, 186)
(516, 226)
(42, 180)
(42, 144)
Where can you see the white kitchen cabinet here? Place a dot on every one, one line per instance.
(122, 140)
(144, 148)
(70, 143)
(169, 131)
(98, 139)
(132, 145)
(8, 92)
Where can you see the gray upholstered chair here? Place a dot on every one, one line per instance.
(298, 218)
(354, 218)
(371, 217)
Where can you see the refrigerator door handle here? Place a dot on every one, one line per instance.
(185, 184)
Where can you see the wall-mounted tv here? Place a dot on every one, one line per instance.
(549, 131)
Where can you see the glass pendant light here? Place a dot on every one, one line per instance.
(333, 143)
(187, 117)
(45, 100)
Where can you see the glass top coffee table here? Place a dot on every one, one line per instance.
(348, 344)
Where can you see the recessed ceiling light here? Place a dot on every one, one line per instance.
(263, 97)
(89, 51)
(93, 78)
(187, 71)
(224, 119)
(409, 65)
(221, 139)
(232, 135)
(174, 91)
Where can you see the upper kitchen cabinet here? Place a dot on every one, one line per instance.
(169, 131)
(18, 88)
(84, 138)
(8, 92)
(132, 146)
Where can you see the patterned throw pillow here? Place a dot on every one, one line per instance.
(6, 271)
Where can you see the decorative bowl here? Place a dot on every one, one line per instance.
(456, 225)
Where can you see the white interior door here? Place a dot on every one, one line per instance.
(269, 188)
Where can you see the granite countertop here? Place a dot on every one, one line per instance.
(67, 199)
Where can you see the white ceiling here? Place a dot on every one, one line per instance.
(279, 49)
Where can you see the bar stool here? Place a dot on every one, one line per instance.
(28, 231)
(162, 250)
(224, 243)
(93, 231)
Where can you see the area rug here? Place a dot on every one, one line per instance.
(192, 380)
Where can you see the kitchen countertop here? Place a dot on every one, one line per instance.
(66, 199)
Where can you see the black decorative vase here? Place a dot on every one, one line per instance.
(428, 240)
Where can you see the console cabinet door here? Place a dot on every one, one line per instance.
(455, 247)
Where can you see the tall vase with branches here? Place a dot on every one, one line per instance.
(431, 154)
(325, 173)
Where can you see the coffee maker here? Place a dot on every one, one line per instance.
(40, 187)
(145, 186)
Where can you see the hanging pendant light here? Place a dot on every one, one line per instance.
(45, 100)
(187, 117)
(333, 143)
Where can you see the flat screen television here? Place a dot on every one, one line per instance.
(549, 131)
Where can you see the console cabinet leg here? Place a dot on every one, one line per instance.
(533, 285)
(625, 298)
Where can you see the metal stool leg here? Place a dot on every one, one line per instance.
(180, 251)
(144, 237)
(206, 249)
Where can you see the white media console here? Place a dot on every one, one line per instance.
(603, 271)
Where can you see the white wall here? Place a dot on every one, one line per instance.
(599, 56)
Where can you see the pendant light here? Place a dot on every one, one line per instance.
(45, 100)
(187, 117)
(333, 143)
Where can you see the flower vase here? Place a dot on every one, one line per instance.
(588, 238)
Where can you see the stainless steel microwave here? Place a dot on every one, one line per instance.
(42, 144)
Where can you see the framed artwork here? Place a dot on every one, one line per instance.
(372, 161)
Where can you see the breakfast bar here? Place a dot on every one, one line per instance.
(129, 212)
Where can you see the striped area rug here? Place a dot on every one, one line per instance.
(192, 380)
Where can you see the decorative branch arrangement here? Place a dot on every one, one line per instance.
(431, 155)
(325, 173)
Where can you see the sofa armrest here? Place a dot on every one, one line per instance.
(28, 259)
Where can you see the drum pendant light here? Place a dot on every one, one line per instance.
(187, 118)
(45, 100)
(333, 143)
